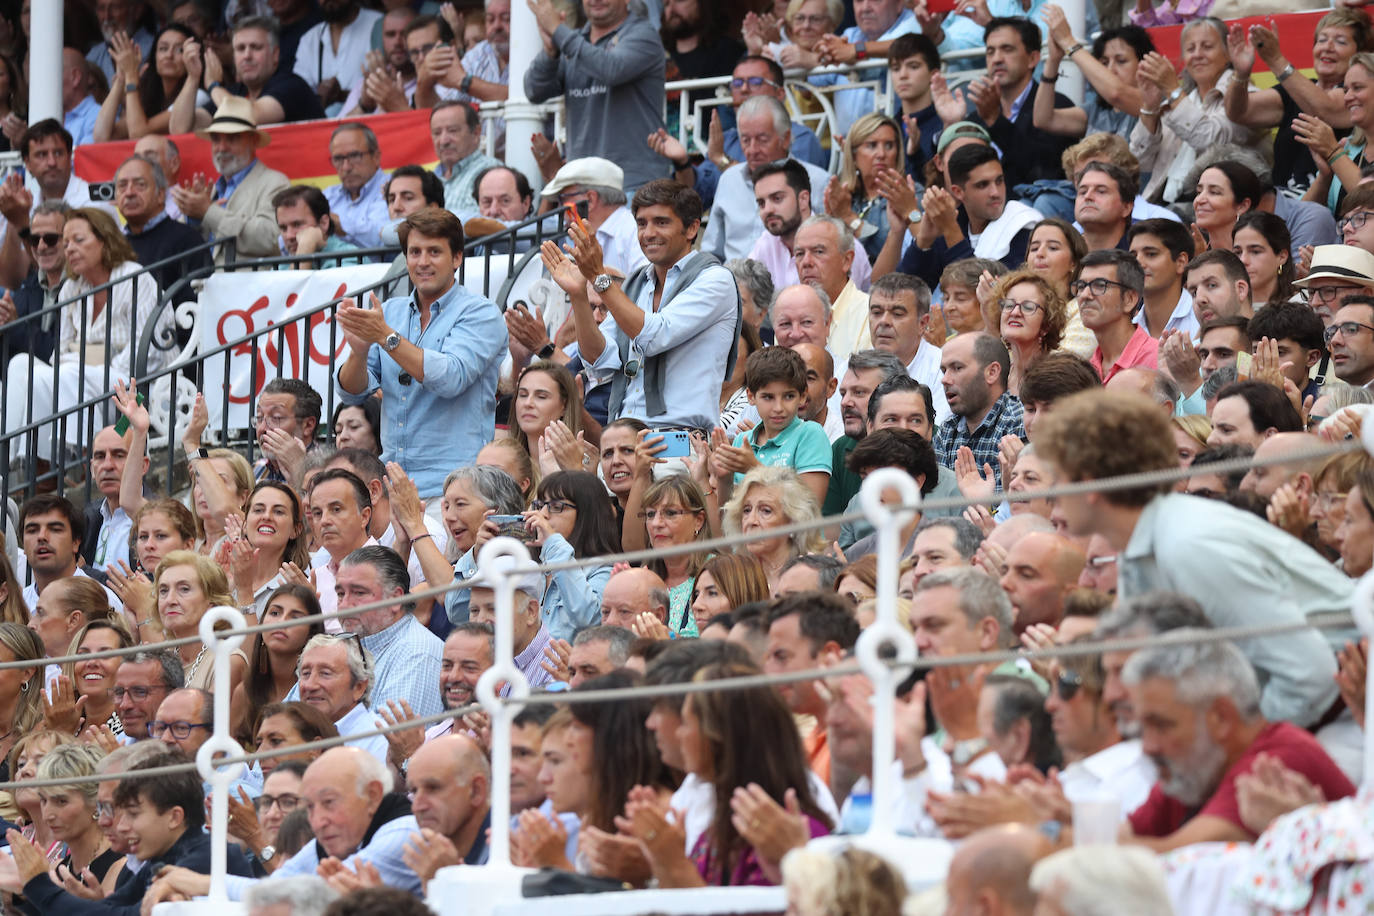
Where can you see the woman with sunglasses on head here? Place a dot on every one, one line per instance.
(1031, 315)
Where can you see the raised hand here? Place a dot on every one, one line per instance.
(556, 656)
(1181, 359)
(64, 712)
(667, 146)
(126, 401)
(1156, 68)
(406, 506)
(715, 137)
(128, 57)
(562, 270)
(772, 829)
(972, 483)
(1316, 135)
(195, 428)
(1266, 44)
(986, 99)
(1241, 51)
(404, 742)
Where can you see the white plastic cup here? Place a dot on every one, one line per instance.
(1096, 819)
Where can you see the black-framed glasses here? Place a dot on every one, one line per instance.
(287, 802)
(137, 694)
(753, 82)
(1068, 684)
(418, 54)
(555, 506)
(180, 730)
(1098, 286)
(1324, 294)
(1345, 328)
(1354, 220)
(1025, 308)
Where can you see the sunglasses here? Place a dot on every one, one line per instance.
(50, 239)
(1067, 685)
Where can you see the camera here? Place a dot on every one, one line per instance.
(102, 191)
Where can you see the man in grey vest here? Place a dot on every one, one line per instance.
(675, 319)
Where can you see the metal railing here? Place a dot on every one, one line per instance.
(168, 358)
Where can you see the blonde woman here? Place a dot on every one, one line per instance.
(768, 498)
(873, 145)
(70, 814)
(187, 585)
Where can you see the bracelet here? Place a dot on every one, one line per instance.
(466, 85)
(1147, 113)
(421, 537)
(143, 623)
(1049, 80)
(131, 87)
(1286, 72)
(1338, 154)
(1074, 49)
(215, 84)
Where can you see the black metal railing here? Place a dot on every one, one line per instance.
(169, 362)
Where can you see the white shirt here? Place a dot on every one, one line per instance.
(912, 817)
(925, 368)
(1122, 769)
(324, 568)
(31, 594)
(1182, 318)
(619, 238)
(316, 59)
(436, 531)
(696, 799)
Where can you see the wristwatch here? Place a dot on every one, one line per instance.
(724, 162)
(201, 453)
(547, 351)
(465, 86)
(391, 342)
(913, 217)
(1172, 98)
(601, 283)
(268, 853)
(860, 50)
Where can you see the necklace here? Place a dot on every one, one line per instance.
(195, 664)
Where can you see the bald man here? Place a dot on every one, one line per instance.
(1041, 569)
(996, 547)
(820, 387)
(1147, 382)
(450, 795)
(1263, 481)
(990, 872)
(632, 592)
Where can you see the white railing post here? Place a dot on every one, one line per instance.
(1071, 78)
(45, 61)
(221, 741)
(523, 119)
(885, 634)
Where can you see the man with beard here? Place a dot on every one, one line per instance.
(277, 95)
(331, 56)
(469, 650)
(1199, 711)
(294, 19)
(239, 204)
(867, 369)
(973, 371)
(388, 81)
(782, 192)
(117, 16)
(697, 40)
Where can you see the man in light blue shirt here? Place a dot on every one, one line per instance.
(79, 107)
(1242, 571)
(677, 319)
(435, 356)
(407, 655)
(357, 201)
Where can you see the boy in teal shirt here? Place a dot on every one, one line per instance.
(775, 378)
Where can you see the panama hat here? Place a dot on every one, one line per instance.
(1340, 262)
(235, 116)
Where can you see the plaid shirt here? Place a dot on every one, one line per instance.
(408, 657)
(1004, 419)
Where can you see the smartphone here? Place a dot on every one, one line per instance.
(122, 424)
(512, 526)
(940, 6)
(678, 442)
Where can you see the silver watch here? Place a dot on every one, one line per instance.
(602, 282)
(391, 342)
(268, 853)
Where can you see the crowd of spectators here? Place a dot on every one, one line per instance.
(993, 288)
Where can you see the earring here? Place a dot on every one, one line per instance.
(24, 687)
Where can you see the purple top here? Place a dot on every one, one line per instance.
(748, 871)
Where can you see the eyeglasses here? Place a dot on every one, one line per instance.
(1327, 294)
(753, 82)
(419, 53)
(1068, 684)
(819, 19)
(1354, 220)
(352, 158)
(286, 802)
(668, 515)
(1098, 286)
(180, 730)
(137, 694)
(555, 506)
(1345, 329)
(50, 239)
(1329, 501)
(1026, 308)
(103, 809)
(272, 420)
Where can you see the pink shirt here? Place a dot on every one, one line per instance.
(1142, 352)
(773, 255)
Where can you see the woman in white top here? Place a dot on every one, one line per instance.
(98, 329)
(145, 90)
(1180, 118)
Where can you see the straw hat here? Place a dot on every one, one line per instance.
(1340, 262)
(235, 116)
